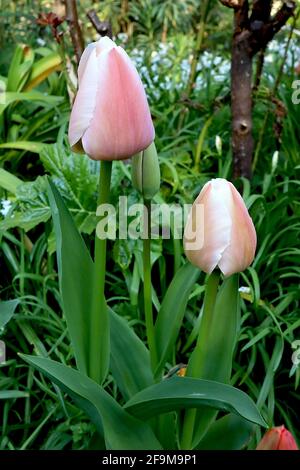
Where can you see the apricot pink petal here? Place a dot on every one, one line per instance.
(215, 228)
(228, 233)
(278, 438)
(240, 252)
(84, 104)
(121, 125)
(110, 118)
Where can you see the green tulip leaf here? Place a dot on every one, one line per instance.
(217, 346)
(75, 268)
(172, 311)
(129, 358)
(7, 309)
(231, 432)
(179, 393)
(121, 431)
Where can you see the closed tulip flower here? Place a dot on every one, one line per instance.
(110, 119)
(219, 231)
(278, 438)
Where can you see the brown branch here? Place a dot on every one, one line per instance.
(264, 34)
(236, 4)
(259, 69)
(241, 20)
(74, 28)
(102, 27)
(261, 10)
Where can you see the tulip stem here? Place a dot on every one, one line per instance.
(195, 364)
(99, 325)
(148, 286)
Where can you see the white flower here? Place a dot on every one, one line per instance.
(6, 205)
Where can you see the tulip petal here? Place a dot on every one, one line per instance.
(121, 124)
(241, 250)
(277, 438)
(216, 228)
(84, 104)
(104, 43)
(84, 59)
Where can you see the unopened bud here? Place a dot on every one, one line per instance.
(145, 172)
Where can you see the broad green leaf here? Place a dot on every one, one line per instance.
(231, 432)
(121, 431)
(76, 175)
(34, 147)
(42, 69)
(129, 358)
(31, 208)
(218, 338)
(9, 394)
(172, 311)
(179, 393)
(8, 181)
(7, 309)
(75, 268)
(19, 68)
(10, 97)
(76, 275)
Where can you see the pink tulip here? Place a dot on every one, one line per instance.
(277, 438)
(219, 231)
(110, 119)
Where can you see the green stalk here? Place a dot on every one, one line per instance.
(148, 288)
(196, 361)
(99, 325)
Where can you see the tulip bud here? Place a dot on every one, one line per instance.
(110, 119)
(226, 231)
(278, 438)
(145, 172)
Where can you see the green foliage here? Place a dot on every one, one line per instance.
(34, 113)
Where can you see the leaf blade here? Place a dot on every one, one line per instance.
(184, 392)
(121, 431)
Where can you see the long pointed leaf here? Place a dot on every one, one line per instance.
(230, 432)
(130, 359)
(75, 268)
(121, 431)
(7, 309)
(172, 311)
(218, 346)
(179, 393)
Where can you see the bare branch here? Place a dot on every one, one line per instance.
(241, 18)
(74, 28)
(261, 10)
(265, 33)
(236, 4)
(102, 27)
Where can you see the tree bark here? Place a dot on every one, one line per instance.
(74, 28)
(241, 105)
(252, 32)
(241, 94)
(102, 27)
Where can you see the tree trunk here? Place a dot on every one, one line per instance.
(253, 30)
(241, 105)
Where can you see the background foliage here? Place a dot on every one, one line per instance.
(193, 139)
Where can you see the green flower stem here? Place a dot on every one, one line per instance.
(148, 287)
(196, 362)
(99, 325)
